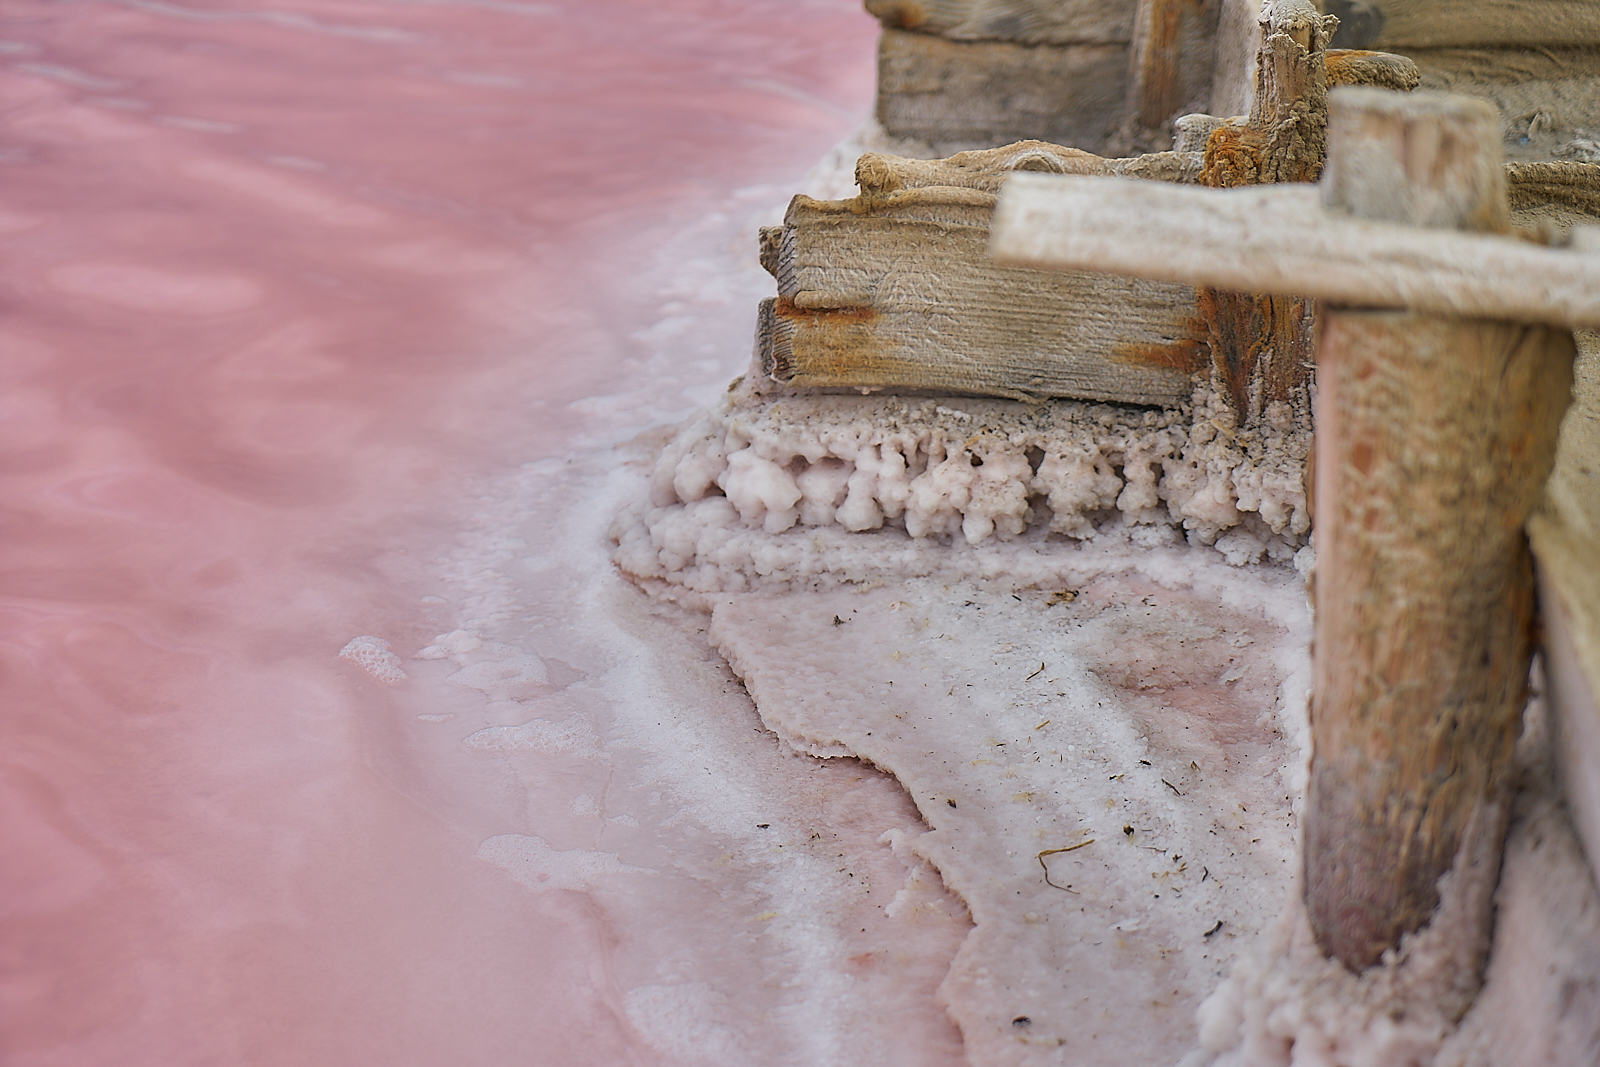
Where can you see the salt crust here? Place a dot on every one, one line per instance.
(756, 467)
(1288, 1005)
(1153, 705)
(1284, 1004)
(1539, 1006)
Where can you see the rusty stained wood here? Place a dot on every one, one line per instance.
(1281, 239)
(896, 292)
(1261, 344)
(1173, 59)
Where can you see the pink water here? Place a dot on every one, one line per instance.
(289, 291)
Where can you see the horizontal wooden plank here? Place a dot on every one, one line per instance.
(988, 169)
(957, 95)
(1278, 239)
(898, 292)
(1403, 24)
(1018, 21)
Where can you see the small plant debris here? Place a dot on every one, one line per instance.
(1054, 852)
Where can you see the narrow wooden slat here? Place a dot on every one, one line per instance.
(1018, 21)
(1404, 24)
(1277, 239)
(958, 95)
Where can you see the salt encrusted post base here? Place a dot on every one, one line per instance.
(1435, 437)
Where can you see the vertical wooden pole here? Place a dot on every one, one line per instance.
(1262, 346)
(1172, 58)
(1434, 438)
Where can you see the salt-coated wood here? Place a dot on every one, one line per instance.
(895, 292)
(988, 169)
(1282, 141)
(1416, 159)
(1281, 239)
(1262, 345)
(1565, 533)
(1434, 439)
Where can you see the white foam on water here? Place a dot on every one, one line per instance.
(373, 655)
(539, 867)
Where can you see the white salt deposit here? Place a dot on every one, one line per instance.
(1072, 663)
(1101, 765)
(977, 471)
(753, 906)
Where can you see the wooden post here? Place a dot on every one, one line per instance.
(1436, 428)
(1171, 63)
(1434, 438)
(1261, 345)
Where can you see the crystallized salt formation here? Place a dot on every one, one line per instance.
(743, 491)
(1026, 615)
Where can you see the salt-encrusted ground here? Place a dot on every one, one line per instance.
(1102, 761)
(1105, 738)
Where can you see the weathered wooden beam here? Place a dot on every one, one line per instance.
(1055, 22)
(1434, 439)
(1283, 139)
(958, 95)
(896, 292)
(1262, 344)
(1435, 433)
(1565, 535)
(1407, 24)
(1285, 239)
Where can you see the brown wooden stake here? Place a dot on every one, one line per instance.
(1261, 346)
(1172, 60)
(1434, 438)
